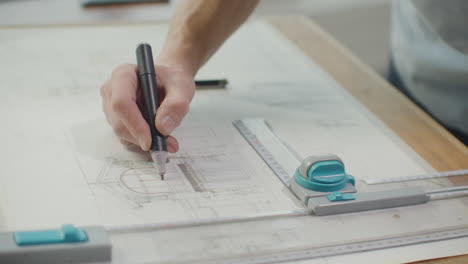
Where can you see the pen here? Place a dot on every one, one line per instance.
(211, 84)
(147, 84)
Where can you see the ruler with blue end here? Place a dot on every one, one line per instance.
(283, 161)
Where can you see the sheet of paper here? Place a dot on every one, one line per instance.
(62, 164)
(214, 174)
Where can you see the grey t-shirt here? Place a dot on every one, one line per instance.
(430, 52)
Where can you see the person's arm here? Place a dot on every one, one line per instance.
(197, 30)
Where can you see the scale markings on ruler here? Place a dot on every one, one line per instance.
(354, 246)
(264, 153)
(342, 248)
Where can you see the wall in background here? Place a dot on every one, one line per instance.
(363, 26)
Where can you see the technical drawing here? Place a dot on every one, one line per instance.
(219, 177)
(138, 181)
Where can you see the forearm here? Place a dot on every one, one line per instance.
(198, 29)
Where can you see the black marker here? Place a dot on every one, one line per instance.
(211, 84)
(147, 84)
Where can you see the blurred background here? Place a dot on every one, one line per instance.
(363, 26)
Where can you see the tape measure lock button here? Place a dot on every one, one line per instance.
(323, 174)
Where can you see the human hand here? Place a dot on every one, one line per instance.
(121, 96)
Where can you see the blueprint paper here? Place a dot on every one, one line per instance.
(62, 164)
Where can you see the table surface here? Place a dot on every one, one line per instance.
(430, 140)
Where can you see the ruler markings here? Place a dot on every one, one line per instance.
(344, 248)
(356, 246)
(264, 153)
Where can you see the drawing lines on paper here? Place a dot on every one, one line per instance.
(214, 174)
(191, 176)
(137, 181)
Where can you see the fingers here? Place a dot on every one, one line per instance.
(120, 105)
(172, 144)
(125, 142)
(124, 104)
(179, 89)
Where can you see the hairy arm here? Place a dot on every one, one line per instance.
(197, 30)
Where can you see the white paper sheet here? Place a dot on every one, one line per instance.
(214, 174)
(62, 164)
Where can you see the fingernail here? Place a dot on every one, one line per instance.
(168, 124)
(142, 144)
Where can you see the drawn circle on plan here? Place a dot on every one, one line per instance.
(144, 181)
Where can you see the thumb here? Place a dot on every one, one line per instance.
(173, 108)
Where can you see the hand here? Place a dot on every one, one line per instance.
(121, 96)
